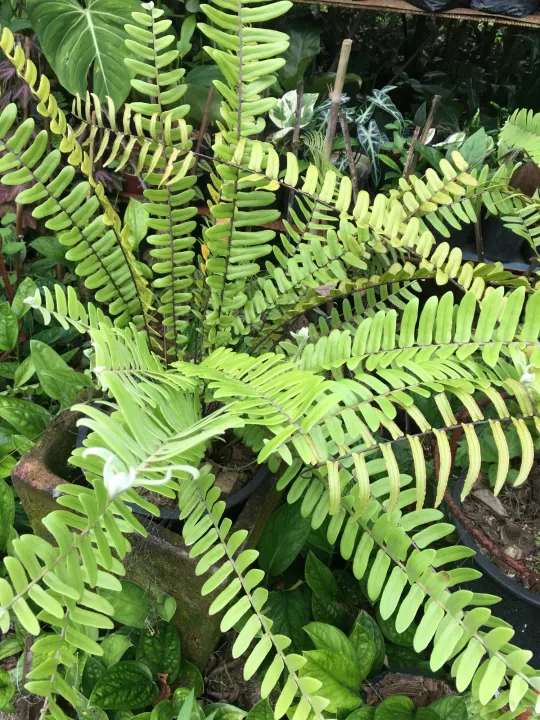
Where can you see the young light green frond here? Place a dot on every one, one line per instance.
(74, 212)
(441, 329)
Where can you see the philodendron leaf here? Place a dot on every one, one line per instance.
(165, 606)
(131, 606)
(364, 647)
(27, 418)
(388, 629)
(373, 630)
(7, 689)
(340, 678)
(83, 40)
(261, 711)
(9, 329)
(282, 539)
(126, 686)
(289, 612)
(57, 379)
(223, 711)
(304, 45)
(7, 513)
(327, 637)
(93, 671)
(397, 707)
(159, 649)
(114, 647)
(320, 578)
(452, 707)
(164, 710)
(366, 712)
(190, 676)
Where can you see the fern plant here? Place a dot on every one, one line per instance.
(228, 320)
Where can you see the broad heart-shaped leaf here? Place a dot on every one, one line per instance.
(86, 39)
(9, 329)
(289, 612)
(283, 538)
(189, 676)
(304, 45)
(57, 379)
(373, 630)
(328, 611)
(159, 649)
(320, 578)
(7, 689)
(261, 711)
(366, 712)
(452, 707)
(93, 671)
(327, 637)
(126, 686)
(114, 647)
(27, 418)
(131, 605)
(365, 650)
(7, 513)
(223, 711)
(164, 710)
(388, 629)
(397, 707)
(340, 679)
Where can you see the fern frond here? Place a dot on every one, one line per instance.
(522, 131)
(394, 554)
(208, 533)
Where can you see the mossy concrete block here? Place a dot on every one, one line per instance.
(159, 562)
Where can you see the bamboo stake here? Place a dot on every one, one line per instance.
(350, 156)
(336, 95)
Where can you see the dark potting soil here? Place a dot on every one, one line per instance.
(232, 463)
(511, 521)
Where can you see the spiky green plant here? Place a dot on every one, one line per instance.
(221, 322)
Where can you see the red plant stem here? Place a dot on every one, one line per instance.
(484, 542)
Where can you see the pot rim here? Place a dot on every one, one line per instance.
(483, 561)
(165, 513)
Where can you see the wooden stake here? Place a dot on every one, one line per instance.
(204, 127)
(296, 135)
(350, 156)
(423, 137)
(336, 95)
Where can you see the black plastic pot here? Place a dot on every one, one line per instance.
(485, 564)
(519, 607)
(463, 239)
(500, 243)
(233, 502)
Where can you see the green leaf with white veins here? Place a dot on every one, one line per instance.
(86, 40)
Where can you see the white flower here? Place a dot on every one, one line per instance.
(528, 376)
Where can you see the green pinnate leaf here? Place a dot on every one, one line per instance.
(126, 686)
(159, 649)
